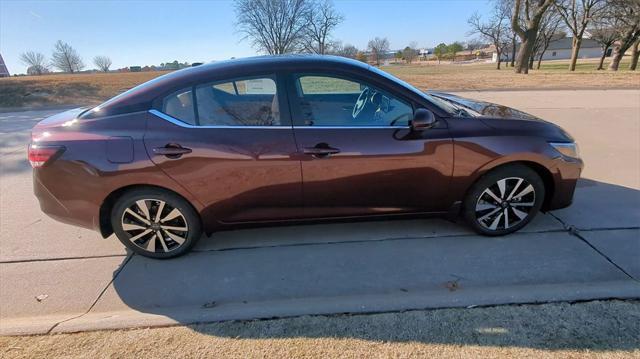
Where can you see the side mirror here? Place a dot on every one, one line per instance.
(423, 119)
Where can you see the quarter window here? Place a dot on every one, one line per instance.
(335, 101)
(180, 105)
(242, 102)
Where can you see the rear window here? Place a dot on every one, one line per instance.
(95, 111)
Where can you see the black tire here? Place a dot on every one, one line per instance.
(155, 239)
(481, 216)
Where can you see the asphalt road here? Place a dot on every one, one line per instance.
(55, 277)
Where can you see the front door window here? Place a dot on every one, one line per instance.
(337, 101)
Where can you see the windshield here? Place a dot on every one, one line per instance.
(444, 105)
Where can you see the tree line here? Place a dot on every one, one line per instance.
(64, 58)
(525, 28)
(534, 24)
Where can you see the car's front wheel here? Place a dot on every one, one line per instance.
(504, 200)
(155, 223)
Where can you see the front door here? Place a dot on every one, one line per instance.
(359, 156)
(227, 143)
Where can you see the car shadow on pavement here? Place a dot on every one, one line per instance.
(387, 266)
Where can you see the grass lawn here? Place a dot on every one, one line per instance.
(89, 89)
(601, 329)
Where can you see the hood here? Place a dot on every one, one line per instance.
(494, 116)
(485, 109)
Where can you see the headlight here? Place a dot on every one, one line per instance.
(567, 149)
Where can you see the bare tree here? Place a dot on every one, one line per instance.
(547, 33)
(65, 58)
(322, 20)
(625, 17)
(35, 61)
(635, 53)
(603, 33)
(507, 6)
(102, 63)
(525, 23)
(495, 30)
(347, 50)
(474, 45)
(378, 47)
(274, 26)
(410, 52)
(514, 47)
(576, 15)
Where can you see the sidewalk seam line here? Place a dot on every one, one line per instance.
(363, 241)
(574, 231)
(113, 278)
(15, 261)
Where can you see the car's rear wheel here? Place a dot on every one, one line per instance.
(155, 223)
(504, 200)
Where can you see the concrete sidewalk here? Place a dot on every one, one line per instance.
(57, 278)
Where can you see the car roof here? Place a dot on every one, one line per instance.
(262, 63)
(277, 61)
(140, 97)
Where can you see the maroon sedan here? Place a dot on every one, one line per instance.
(292, 138)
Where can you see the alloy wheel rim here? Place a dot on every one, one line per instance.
(505, 203)
(155, 226)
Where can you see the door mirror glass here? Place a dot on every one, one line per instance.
(423, 119)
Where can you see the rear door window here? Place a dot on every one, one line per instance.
(241, 102)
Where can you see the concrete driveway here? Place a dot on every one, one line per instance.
(55, 277)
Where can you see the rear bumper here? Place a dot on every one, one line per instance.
(77, 212)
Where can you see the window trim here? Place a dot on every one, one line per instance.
(181, 123)
(292, 93)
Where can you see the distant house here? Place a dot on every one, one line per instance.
(561, 49)
(4, 72)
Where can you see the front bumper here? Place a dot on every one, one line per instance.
(566, 174)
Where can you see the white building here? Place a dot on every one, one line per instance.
(561, 49)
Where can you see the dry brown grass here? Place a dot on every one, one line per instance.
(552, 75)
(76, 89)
(88, 89)
(608, 329)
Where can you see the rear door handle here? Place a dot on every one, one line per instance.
(321, 150)
(171, 150)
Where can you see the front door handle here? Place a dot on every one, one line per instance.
(321, 150)
(171, 150)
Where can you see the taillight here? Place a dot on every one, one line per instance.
(39, 155)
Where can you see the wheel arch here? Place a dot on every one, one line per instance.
(107, 205)
(542, 171)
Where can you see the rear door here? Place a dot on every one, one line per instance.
(231, 146)
(365, 160)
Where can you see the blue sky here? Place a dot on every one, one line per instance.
(151, 32)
